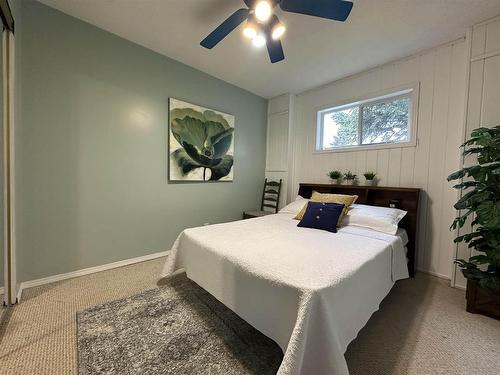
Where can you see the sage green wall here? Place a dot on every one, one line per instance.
(91, 147)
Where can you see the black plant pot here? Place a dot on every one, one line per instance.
(482, 300)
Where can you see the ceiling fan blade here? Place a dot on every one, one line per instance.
(274, 47)
(275, 50)
(337, 10)
(249, 3)
(231, 23)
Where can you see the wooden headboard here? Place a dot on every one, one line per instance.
(404, 198)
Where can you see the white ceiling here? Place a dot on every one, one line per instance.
(317, 51)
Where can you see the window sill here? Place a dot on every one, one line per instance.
(366, 147)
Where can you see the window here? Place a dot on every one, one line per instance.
(373, 123)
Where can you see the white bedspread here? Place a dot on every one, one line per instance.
(309, 290)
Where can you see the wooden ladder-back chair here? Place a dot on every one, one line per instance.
(271, 193)
(270, 200)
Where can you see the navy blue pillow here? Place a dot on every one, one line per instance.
(323, 216)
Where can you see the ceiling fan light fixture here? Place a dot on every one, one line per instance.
(278, 31)
(263, 10)
(259, 40)
(250, 31)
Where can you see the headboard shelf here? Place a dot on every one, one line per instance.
(404, 198)
(359, 187)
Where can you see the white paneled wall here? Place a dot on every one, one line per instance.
(441, 73)
(483, 108)
(279, 157)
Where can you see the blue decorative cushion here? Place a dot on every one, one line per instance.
(323, 216)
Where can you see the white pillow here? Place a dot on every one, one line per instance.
(381, 219)
(295, 206)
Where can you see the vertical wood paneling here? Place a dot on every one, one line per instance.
(475, 95)
(478, 41)
(372, 161)
(349, 162)
(407, 166)
(436, 156)
(493, 36)
(420, 169)
(476, 83)
(452, 157)
(361, 164)
(440, 73)
(490, 108)
(401, 161)
(383, 166)
(278, 143)
(394, 169)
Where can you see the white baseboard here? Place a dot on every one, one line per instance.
(441, 276)
(86, 271)
(444, 277)
(1, 289)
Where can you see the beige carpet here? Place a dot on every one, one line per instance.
(422, 327)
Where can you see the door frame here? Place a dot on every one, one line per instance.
(10, 281)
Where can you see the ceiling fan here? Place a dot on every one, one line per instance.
(264, 27)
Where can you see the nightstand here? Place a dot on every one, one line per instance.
(251, 214)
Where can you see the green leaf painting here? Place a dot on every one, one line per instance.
(201, 143)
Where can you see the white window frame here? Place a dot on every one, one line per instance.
(411, 91)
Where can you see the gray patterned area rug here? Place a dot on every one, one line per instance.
(177, 328)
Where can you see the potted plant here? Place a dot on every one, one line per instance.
(349, 178)
(335, 176)
(480, 202)
(370, 178)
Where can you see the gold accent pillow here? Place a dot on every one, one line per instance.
(346, 200)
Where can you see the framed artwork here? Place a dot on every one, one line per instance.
(201, 143)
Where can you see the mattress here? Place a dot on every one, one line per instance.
(309, 290)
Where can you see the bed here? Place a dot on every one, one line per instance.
(310, 291)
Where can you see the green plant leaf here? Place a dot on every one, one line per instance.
(488, 214)
(479, 259)
(334, 175)
(349, 176)
(466, 184)
(467, 237)
(491, 282)
(471, 197)
(460, 220)
(484, 202)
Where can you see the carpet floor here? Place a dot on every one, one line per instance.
(421, 328)
(176, 329)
